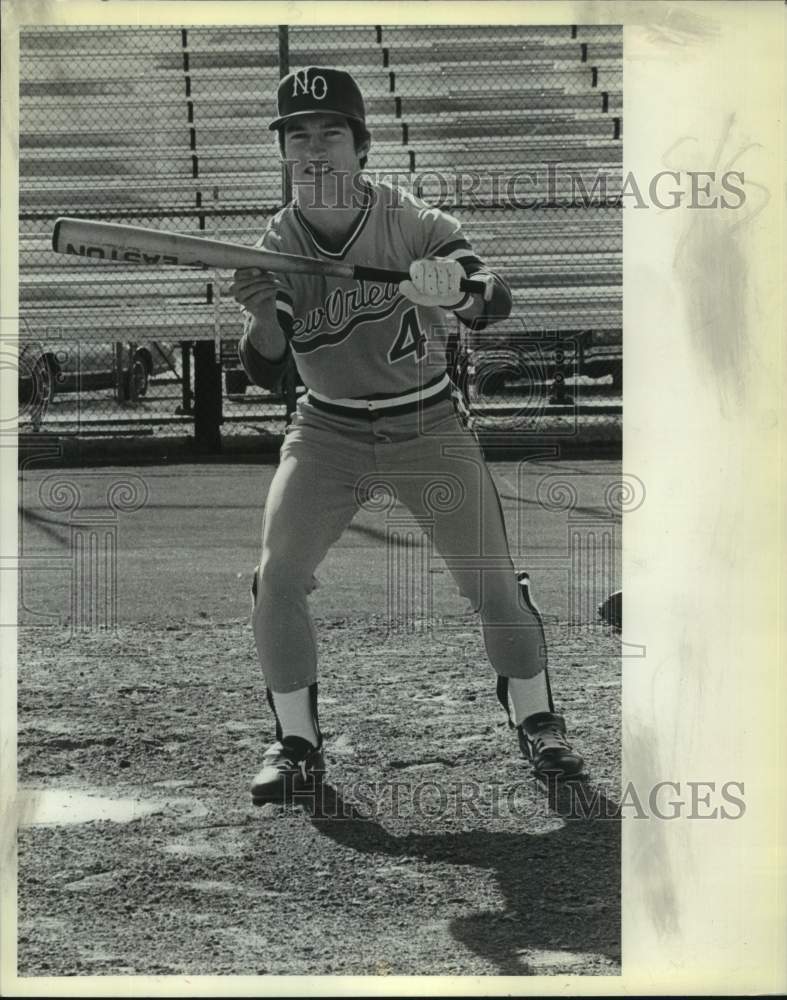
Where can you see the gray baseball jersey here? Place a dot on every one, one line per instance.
(354, 339)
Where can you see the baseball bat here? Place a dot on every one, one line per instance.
(139, 245)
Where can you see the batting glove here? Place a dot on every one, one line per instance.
(435, 282)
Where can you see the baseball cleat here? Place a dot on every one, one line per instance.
(290, 766)
(542, 739)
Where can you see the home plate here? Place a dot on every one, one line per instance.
(57, 807)
(538, 960)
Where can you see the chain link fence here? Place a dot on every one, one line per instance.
(516, 129)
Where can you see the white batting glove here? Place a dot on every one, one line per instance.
(435, 282)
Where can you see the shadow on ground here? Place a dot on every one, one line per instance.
(568, 878)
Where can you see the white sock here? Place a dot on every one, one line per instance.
(294, 709)
(528, 695)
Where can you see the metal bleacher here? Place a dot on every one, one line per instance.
(502, 104)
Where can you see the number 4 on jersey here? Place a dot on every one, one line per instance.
(409, 340)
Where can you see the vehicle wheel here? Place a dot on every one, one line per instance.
(235, 382)
(493, 384)
(145, 359)
(137, 378)
(492, 379)
(36, 388)
(44, 380)
(141, 375)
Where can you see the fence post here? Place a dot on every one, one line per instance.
(290, 381)
(121, 388)
(207, 396)
(185, 379)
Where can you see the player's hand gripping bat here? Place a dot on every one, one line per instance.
(138, 245)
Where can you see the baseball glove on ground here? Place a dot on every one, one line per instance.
(610, 611)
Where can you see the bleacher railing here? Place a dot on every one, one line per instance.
(516, 129)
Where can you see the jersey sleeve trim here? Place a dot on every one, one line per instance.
(460, 250)
(498, 308)
(264, 372)
(284, 304)
(284, 313)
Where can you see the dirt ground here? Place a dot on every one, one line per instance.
(430, 852)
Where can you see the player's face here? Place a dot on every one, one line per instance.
(323, 158)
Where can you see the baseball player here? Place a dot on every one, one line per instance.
(380, 409)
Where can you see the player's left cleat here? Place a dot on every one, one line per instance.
(542, 739)
(290, 766)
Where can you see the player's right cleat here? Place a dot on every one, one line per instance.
(290, 766)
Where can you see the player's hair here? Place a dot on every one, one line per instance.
(361, 135)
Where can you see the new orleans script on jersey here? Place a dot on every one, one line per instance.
(355, 339)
